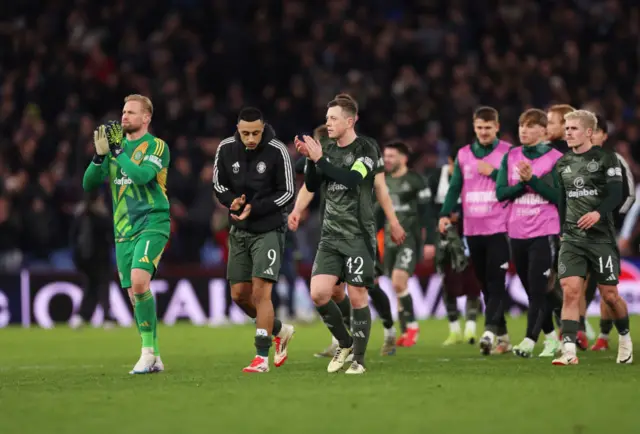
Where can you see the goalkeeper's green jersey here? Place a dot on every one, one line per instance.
(138, 180)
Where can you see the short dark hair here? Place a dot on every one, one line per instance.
(346, 102)
(487, 114)
(250, 114)
(533, 117)
(602, 124)
(400, 147)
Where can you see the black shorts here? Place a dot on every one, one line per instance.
(534, 260)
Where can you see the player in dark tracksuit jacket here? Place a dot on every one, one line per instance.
(253, 177)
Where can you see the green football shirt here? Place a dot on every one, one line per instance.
(583, 179)
(138, 181)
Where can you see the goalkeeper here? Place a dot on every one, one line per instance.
(136, 166)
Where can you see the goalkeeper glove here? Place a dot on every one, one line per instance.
(100, 140)
(114, 137)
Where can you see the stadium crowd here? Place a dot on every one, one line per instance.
(418, 69)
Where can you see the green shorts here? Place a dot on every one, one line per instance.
(602, 261)
(403, 257)
(351, 261)
(254, 255)
(143, 252)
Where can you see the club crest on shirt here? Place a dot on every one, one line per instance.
(348, 159)
(562, 268)
(593, 166)
(137, 156)
(261, 167)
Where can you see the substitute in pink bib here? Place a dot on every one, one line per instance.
(482, 213)
(531, 214)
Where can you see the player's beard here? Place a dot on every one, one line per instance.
(130, 129)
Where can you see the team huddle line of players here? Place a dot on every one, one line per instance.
(497, 201)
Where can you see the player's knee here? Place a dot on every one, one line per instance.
(261, 290)
(359, 297)
(140, 281)
(320, 296)
(571, 291)
(241, 292)
(399, 288)
(609, 295)
(322, 289)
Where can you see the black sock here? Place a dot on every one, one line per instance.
(277, 326)
(570, 330)
(547, 322)
(450, 303)
(583, 326)
(501, 328)
(332, 317)
(382, 305)
(361, 329)
(622, 325)
(471, 308)
(407, 308)
(345, 310)
(263, 343)
(605, 326)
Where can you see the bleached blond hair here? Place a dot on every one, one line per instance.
(585, 117)
(147, 105)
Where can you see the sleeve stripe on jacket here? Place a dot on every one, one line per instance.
(288, 169)
(626, 205)
(216, 182)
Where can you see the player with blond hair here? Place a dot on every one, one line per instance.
(136, 164)
(590, 181)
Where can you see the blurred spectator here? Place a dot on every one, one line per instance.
(418, 69)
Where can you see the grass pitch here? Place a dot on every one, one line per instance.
(65, 381)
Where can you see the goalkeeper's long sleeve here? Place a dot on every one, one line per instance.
(94, 175)
(140, 175)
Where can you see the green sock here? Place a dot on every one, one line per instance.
(345, 310)
(146, 318)
(569, 330)
(361, 330)
(332, 317)
(263, 343)
(135, 319)
(407, 308)
(472, 308)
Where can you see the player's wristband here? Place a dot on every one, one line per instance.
(116, 150)
(98, 159)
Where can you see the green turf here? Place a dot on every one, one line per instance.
(64, 381)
